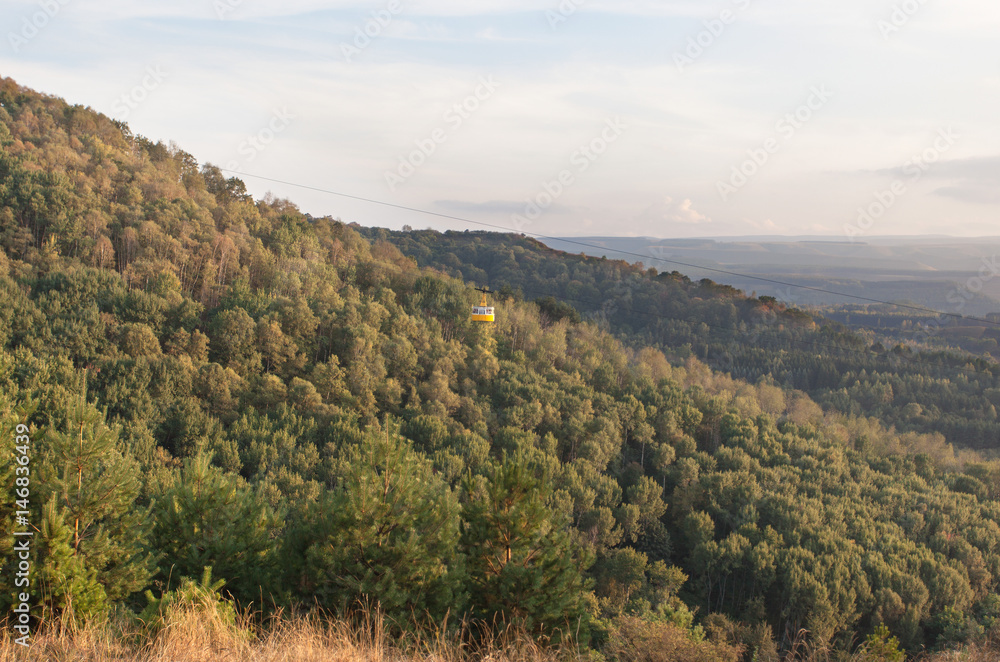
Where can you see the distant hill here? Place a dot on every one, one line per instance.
(929, 271)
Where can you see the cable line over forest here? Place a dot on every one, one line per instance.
(536, 235)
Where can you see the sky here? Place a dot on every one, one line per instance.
(841, 118)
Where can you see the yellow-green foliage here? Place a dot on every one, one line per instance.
(282, 348)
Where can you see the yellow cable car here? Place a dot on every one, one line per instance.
(483, 312)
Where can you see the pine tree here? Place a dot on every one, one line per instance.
(92, 530)
(523, 564)
(386, 536)
(64, 578)
(210, 519)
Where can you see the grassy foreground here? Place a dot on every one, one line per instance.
(197, 635)
(192, 633)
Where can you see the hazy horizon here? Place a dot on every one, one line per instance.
(790, 237)
(561, 118)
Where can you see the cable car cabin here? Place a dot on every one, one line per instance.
(482, 314)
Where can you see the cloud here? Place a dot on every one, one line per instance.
(981, 168)
(985, 195)
(766, 225)
(354, 118)
(668, 212)
(968, 180)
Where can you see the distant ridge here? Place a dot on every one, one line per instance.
(789, 239)
(929, 269)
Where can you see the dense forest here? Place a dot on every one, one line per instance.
(912, 371)
(305, 408)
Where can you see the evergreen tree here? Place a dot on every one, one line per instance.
(63, 576)
(524, 566)
(387, 534)
(93, 533)
(210, 519)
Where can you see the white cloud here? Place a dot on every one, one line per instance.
(767, 225)
(667, 213)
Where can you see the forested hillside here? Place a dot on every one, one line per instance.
(214, 381)
(906, 375)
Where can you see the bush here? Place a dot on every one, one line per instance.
(201, 597)
(635, 640)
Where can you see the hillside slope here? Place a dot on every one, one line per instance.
(907, 377)
(224, 382)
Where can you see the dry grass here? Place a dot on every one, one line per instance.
(973, 653)
(194, 635)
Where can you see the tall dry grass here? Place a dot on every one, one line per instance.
(199, 635)
(191, 633)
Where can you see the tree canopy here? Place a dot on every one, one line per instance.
(304, 406)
